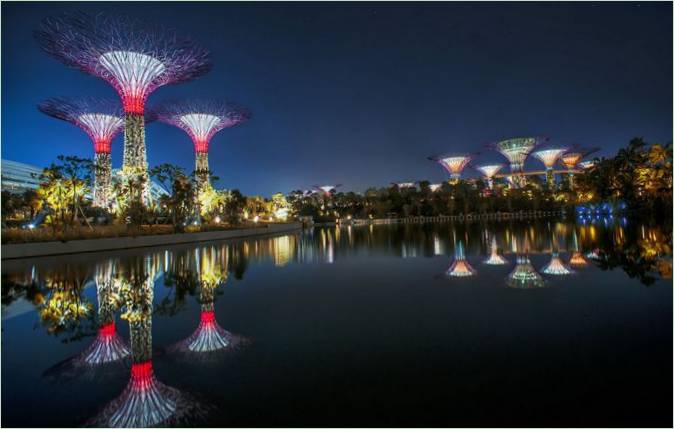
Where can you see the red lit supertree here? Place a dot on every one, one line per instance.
(201, 120)
(102, 120)
(209, 337)
(145, 402)
(327, 190)
(134, 58)
(453, 164)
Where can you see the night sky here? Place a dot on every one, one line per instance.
(362, 93)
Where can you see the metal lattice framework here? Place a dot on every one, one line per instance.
(489, 171)
(201, 119)
(572, 158)
(453, 164)
(524, 275)
(549, 157)
(460, 267)
(517, 150)
(131, 56)
(102, 120)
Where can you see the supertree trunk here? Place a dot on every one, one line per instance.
(550, 179)
(201, 170)
(571, 181)
(102, 179)
(135, 156)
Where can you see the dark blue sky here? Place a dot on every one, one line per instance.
(361, 93)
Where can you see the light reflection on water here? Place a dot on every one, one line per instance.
(132, 288)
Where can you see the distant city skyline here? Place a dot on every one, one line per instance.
(362, 93)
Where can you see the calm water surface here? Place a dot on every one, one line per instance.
(391, 325)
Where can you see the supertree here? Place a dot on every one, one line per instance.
(209, 336)
(327, 190)
(577, 259)
(460, 266)
(572, 159)
(201, 120)
(134, 58)
(524, 275)
(556, 266)
(435, 187)
(102, 120)
(453, 164)
(145, 401)
(549, 157)
(494, 257)
(586, 164)
(489, 171)
(404, 185)
(516, 151)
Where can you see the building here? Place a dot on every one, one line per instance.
(18, 177)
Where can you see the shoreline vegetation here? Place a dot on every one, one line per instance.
(636, 182)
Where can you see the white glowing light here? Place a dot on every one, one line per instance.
(281, 213)
(201, 125)
(455, 164)
(516, 150)
(524, 276)
(556, 267)
(256, 219)
(490, 170)
(435, 186)
(101, 126)
(133, 71)
(326, 189)
(494, 257)
(570, 160)
(549, 156)
(406, 185)
(586, 164)
(217, 219)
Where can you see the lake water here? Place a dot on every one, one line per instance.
(350, 326)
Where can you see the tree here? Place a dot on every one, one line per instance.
(180, 202)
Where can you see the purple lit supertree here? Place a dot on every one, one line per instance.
(517, 150)
(404, 185)
(201, 120)
(489, 171)
(102, 120)
(549, 157)
(453, 164)
(134, 58)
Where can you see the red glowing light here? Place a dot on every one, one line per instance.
(200, 146)
(107, 330)
(102, 146)
(142, 372)
(208, 317)
(133, 103)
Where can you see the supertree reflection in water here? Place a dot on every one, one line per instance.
(494, 257)
(555, 266)
(145, 401)
(577, 258)
(209, 337)
(108, 347)
(460, 267)
(524, 275)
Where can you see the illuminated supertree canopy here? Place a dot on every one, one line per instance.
(327, 190)
(577, 258)
(516, 150)
(573, 157)
(404, 185)
(524, 275)
(494, 257)
(102, 120)
(435, 186)
(201, 120)
(489, 171)
(586, 164)
(549, 156)
(134, 58)
(453, 164)
(460, 267)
